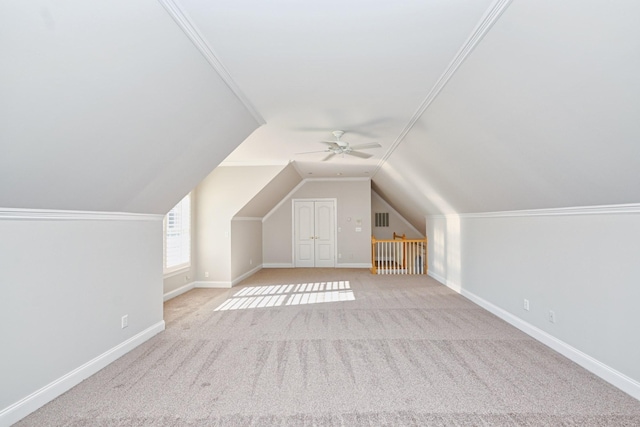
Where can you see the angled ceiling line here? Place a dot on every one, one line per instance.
(393, 210)
(482, 28)
(297, 168)
(181, 18)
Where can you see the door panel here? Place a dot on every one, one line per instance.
(304, 238)
(306, 253)
(324, 245)
(314, 233)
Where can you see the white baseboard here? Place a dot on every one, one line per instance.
(277, 265)
(355, 265)
(448, 283)
(181, 290)
(245, 275)
(618, 379)
(226, 284)
(607, 373)
(345, 265)
(46, 394)
(212, 284)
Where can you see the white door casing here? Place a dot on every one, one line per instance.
(314, 233)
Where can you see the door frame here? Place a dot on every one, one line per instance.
(335, 226)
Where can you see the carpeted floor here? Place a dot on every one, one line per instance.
(316, 347)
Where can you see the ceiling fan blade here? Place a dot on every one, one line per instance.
(359, 154)
(336, 143)
(328, 157)
(367, 145)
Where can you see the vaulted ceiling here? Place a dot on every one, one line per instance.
(314, 67)
(479, 105)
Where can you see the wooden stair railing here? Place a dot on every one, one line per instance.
(398, 255)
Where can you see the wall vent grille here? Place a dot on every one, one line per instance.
(382, 219)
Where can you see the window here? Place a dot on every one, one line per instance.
(382, 219)
(177, 236)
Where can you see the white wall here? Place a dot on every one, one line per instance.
(220, 196)
(580, 263)
(397, 223)
(353, 202)
(66, 282)
(443, 242)
(246, 247)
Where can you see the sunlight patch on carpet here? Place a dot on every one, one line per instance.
(288, 295)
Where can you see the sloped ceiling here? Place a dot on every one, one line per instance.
(479, 105)
(230, 189)
(271, 194)
(542, 114)
(107, 106)
(314, 67)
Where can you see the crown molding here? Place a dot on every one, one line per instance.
(62, 215)
(488, 20)
(624, 209)
(178, 14)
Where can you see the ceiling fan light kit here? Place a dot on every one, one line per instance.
(338, 134)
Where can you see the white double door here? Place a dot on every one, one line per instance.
(314, 233)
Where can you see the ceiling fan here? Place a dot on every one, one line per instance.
(339, 146)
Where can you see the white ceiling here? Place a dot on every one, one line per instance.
(543, 114)
(310, 68)
(107, 106)
(479, 105)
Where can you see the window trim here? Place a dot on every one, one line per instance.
(184, 266)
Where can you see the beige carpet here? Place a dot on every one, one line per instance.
(316, 347)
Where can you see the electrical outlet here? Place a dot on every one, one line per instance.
(124, 322)
(206, 274)
(526, 304)
(339, 256)
(250, 261)
(552, 316)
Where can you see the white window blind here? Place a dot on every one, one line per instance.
(177, 236)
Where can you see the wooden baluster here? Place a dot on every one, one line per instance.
(373, 255)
